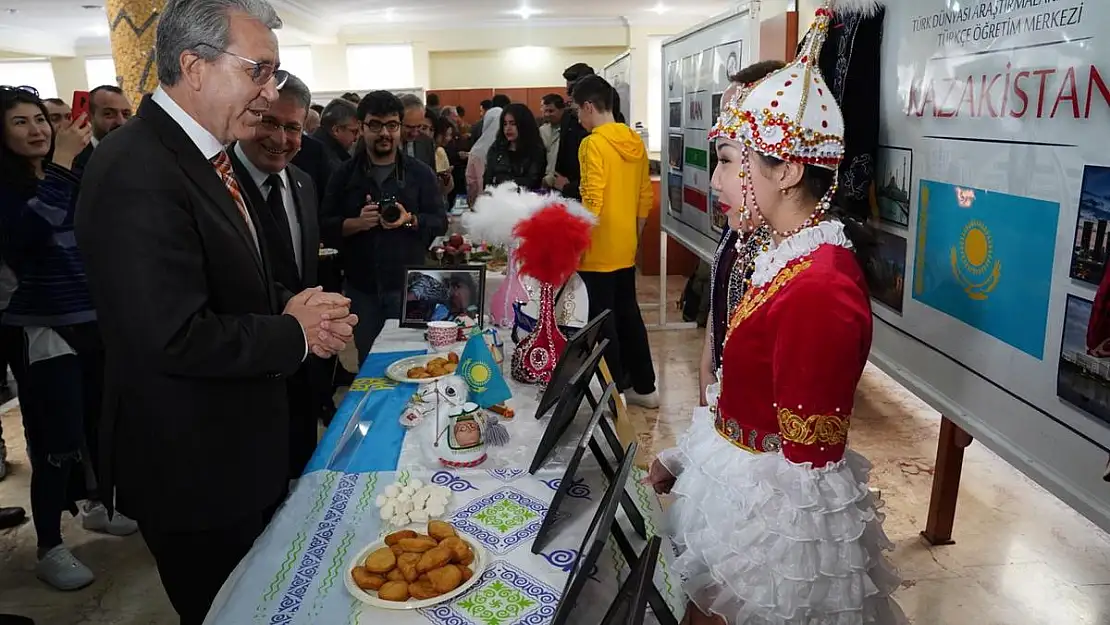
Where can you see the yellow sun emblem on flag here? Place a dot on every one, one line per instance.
(973, 261)
(478, 375)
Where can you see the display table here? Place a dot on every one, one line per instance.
(295, 571)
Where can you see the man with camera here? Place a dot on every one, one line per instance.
(381, 207)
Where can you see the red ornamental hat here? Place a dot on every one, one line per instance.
(791, 114)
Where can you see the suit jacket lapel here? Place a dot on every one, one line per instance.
(202, 173)
(305, 203)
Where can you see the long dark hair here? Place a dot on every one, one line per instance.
(528, 140)
(816, 181)
(16, 170)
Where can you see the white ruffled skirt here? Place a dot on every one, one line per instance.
(765, 541)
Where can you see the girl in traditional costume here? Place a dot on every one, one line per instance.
(773, 517)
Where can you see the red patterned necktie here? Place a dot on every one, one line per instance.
(222, 164)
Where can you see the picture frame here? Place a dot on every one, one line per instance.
(434, 293)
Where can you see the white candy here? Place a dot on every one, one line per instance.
(404, 497)
(392, 491)
(408, 490)
(406, 507)
(388, 511)
(435, 510)
(380, 501)
(416, 484)
(419, 516)
(420, 496)
(400, 520)
(437, 499)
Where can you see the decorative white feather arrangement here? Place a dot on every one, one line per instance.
(498, 210)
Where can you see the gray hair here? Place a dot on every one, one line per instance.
(299, 92)
(188, 24)
(411, 101)
(338, 111)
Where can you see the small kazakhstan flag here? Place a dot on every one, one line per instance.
(482, 375)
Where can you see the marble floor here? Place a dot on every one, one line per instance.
(1021, 557)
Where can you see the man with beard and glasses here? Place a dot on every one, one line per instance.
(384, 206)
(284, 197)
(108, 109)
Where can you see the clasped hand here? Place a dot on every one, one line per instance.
(325, 318)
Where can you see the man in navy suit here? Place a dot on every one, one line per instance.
(285, 199)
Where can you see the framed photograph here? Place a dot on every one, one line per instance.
(1089, 251)
(443, 294)
(1083, 375)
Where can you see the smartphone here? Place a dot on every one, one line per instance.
(80, 105)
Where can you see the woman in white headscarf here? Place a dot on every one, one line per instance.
(476, 162)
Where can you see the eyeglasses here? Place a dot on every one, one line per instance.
(260, 71)
(272, 126)
(23, 88)
(376, 126)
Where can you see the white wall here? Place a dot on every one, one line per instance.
(528, 66)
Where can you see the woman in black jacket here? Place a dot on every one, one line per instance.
(518, 154)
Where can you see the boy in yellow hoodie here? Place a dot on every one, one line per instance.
(617, 188)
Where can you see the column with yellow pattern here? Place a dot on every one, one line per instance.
(132, 25)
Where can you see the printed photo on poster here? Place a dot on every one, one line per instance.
(716, 108)
(674, 81)
(728, 62)
(985, 258)
(674, 110)
(689, 73)
(698, 105)
(1083, 377)
(1088, 257)
(674, 193)
(675, 148)
(893, 184)
(888, 271)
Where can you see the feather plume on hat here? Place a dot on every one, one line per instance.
(498, 211)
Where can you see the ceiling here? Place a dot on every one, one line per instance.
(49, 27)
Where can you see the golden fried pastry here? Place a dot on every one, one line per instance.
(450, 367)
(406, 563)
(466, 573)
(440, 530)
(460, 551)
(437, 362)
(453, 358)
(380, 561)
(446, 578)
(423, 589)
(366, 580)
(397, 550)
(415, 372)
(396, 575)
(433, 559)
(394, 591)
(417, 545)
(393, 538)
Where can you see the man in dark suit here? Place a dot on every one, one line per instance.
(284, 199)
(416, 144)
(314, 160)
(198, 335)
(109, 109)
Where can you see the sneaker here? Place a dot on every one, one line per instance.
(96, 519)
(647, 400)
(62, 570)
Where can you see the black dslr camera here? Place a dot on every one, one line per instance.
(390, 212)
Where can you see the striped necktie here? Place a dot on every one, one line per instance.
(222, 163)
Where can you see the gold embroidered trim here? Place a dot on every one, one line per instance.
(814, 429)
(754, 298)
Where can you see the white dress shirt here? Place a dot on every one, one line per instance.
(260, 179)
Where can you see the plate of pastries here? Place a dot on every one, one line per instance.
(423, 369)
(411, 570)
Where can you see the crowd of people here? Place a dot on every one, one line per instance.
(161, 272)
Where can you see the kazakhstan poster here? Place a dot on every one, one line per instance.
(986, 258)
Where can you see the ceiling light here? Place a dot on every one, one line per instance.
(660, 8)
(526, 12)
(92, 7)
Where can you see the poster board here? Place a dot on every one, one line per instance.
(618, 73)
(993, 195)
(696, 67)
